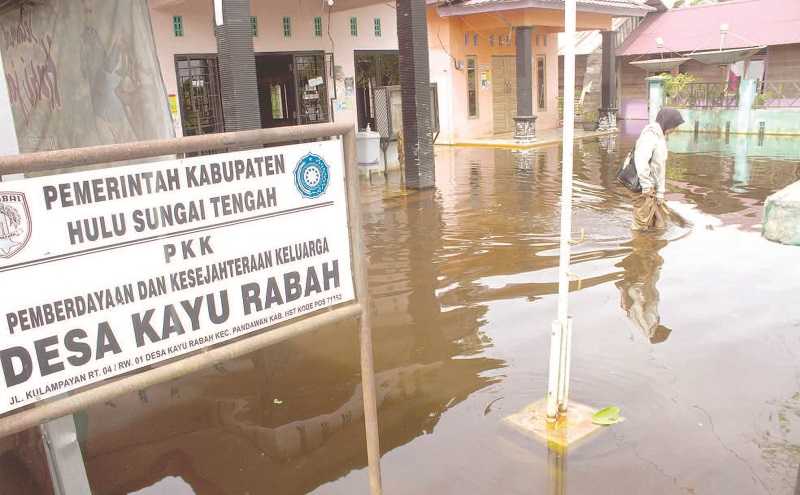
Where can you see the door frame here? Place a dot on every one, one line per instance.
(356, 54)
(293, 54)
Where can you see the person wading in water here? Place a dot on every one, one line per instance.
(649, 210)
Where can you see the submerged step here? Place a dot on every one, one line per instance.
(782, 215)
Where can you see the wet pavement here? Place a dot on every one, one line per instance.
(694, 334)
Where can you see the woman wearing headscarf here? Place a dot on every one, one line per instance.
(650, 158)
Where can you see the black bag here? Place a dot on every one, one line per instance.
(627, 174)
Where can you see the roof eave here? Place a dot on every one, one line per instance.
(456, 10)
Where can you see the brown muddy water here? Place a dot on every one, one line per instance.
(695, 335)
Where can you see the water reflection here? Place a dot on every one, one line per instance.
(557, 469)
(290, 417)
(639, 296)
(741, 168)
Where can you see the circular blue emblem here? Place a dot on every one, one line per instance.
(311, 176)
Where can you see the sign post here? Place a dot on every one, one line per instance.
(151, 264)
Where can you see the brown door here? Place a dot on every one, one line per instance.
(504, 93)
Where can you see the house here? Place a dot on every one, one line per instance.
(589, 53)
(322, 61)
(721, 46)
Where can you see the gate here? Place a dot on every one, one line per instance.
(199, 94)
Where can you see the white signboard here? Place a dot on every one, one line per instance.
(106, 271)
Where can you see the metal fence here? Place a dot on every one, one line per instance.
(704, 95)
(778, 94)
(60, 160)
(388, 113)
(770, 94)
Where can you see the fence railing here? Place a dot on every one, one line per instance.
(704, 95)
(778, 94)
(770, 94)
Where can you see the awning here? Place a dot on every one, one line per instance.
(624, 8)
(724, 57)
(660, 64)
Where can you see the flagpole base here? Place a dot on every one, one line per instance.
(568, 430)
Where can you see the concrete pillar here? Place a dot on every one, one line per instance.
(237, 65)
(657, 93)
(412, 39)
(525, 120)
(608, 110)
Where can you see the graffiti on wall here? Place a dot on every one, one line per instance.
(82, 73)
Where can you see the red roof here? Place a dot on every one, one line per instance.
(750, 22)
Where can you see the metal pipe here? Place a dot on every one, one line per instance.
(19, 421)
(566, 215)
(49, 160)
(365, 336)
(564, 366)
(553, 375)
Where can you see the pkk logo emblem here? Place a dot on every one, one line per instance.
(15, 223)
(311, 176)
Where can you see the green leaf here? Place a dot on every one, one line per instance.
(607, 416)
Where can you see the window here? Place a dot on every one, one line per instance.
(544, 38)
(466, 39)
(475, 39)
(538, 39)
(318, 27)
(472, 88)
(377, 27)
(491, 40)
(354, 26)
(287, 27)
(177, 25)
(254, 25)
(541, 91)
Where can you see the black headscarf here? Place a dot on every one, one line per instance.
(669, 118)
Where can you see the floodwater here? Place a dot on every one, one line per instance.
(694, 334)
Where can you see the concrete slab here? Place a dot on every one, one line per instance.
(782, 215)
(543, 138)
(566, 432)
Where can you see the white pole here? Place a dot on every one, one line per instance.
(558, 387)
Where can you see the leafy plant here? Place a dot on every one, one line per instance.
(675, 84)
(607, 416)
(765, 96)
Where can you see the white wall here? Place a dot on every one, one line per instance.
(8, 133)
(199, 37)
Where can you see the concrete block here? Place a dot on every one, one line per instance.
(782, 215)
(566, 432)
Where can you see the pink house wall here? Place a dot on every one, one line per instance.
(199, 37)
